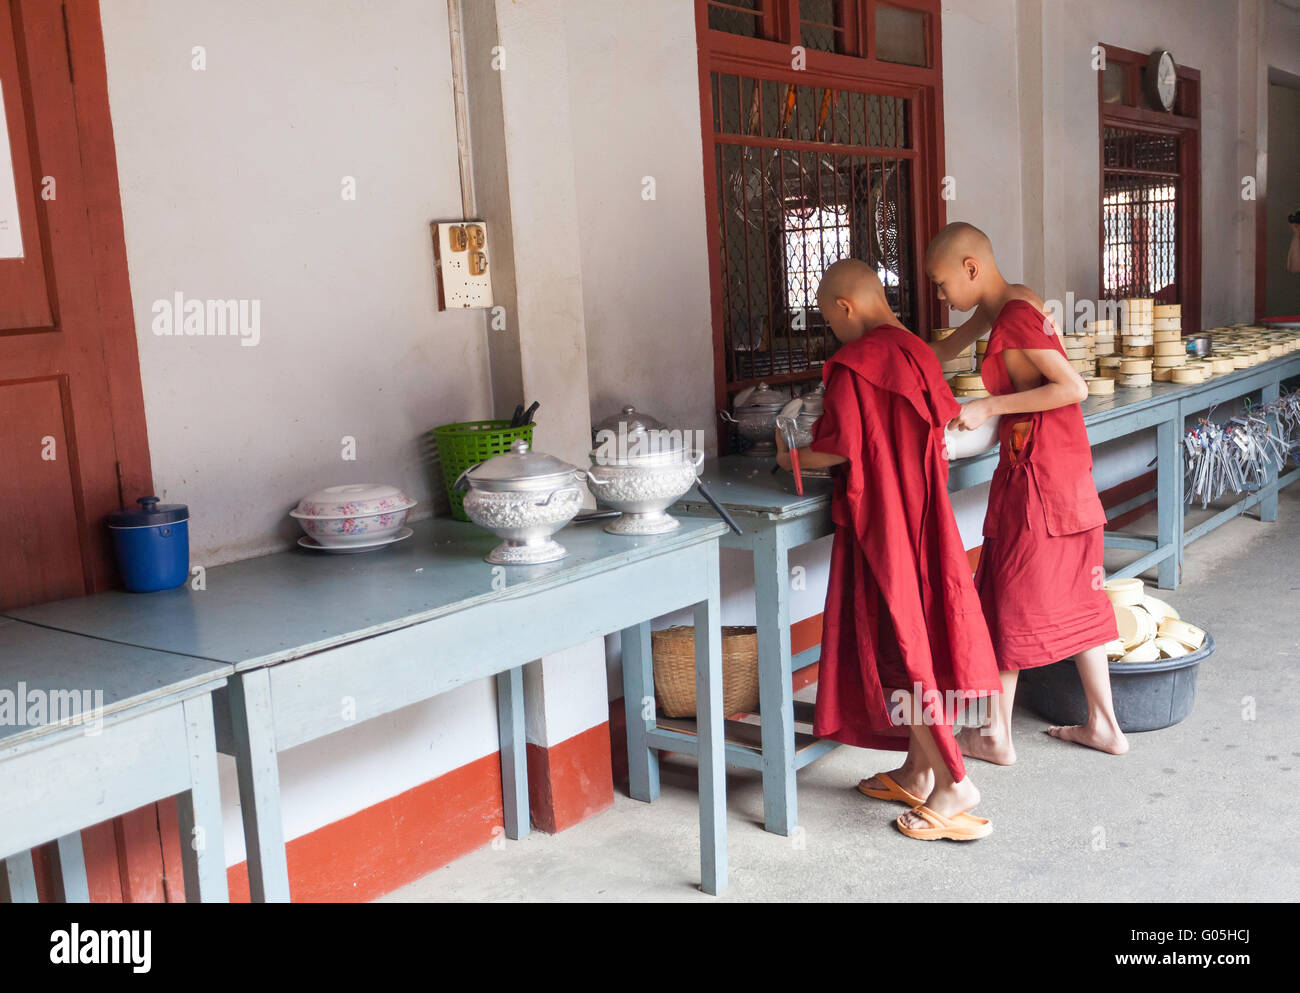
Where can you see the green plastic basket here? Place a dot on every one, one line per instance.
(469, 443)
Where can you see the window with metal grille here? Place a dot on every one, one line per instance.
(1140, 182)
(1150, 186)
(808, 166)
(806, 175)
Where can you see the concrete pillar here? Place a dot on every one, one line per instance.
(522, 144)
(1043, 146)
(522, 147)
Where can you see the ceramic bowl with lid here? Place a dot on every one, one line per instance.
(353, 513)
(523, 497)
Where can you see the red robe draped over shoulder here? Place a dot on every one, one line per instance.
(901, 607)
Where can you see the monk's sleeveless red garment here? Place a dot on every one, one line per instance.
(1040, 573)
(901, 607)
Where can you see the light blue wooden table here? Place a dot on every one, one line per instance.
(775, 519)
(97, 730)
(318, 642)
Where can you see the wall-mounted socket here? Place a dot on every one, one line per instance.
(461, 252)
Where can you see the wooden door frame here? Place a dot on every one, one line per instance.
(1273, 76)
(127, 858)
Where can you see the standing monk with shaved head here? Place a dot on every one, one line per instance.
(1040, 572)
(904, 644)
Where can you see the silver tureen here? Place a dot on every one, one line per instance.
(641, 468)
(754, 413)
(523, 497)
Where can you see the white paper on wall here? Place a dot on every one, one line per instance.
(11, 235)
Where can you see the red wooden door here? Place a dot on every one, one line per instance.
(72, 427)
(72, 432)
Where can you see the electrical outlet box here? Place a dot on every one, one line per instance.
(462, 254)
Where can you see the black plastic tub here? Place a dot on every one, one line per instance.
(1148, 695)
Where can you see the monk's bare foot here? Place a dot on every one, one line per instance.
(917, 782)
(947, 802)
(987, 744)
(1103, 737)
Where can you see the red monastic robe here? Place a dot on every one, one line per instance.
(1040, 572)
(901, 608)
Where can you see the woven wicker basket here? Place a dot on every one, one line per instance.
(674, 670)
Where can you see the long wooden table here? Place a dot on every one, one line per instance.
(92, 730)
(775, 519)
(316, 642)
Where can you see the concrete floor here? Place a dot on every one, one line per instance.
(1206, 810)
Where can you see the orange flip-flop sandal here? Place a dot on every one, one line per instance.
(960, 827)
(893, 792)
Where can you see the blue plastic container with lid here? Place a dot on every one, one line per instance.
(152, 545)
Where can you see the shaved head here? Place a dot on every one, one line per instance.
(850, 279)
(852, 300)
(959, 261)
(958, 241)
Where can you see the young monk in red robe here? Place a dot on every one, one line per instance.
(1040, 574)
(904, 643)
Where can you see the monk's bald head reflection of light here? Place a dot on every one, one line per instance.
(852, 300)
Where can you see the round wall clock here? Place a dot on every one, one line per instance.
(1162, 80)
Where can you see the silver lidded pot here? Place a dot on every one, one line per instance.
(641, 468)
(523, 497)
(803, 412)
(754, 412)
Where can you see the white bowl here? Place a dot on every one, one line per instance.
(353, 513)
(964, 444)
(352, 500)
(361, 529)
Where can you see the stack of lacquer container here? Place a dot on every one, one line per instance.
(1137, 341)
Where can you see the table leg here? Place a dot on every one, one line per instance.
(21, 877)
(1268, 505)
(638, 701)
(259, 786)
(775, 685)
(203, 849)
(514, 754)
(712, 754)
(72, 869)
(1169, 499)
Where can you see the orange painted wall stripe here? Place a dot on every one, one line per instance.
(376, 850)
(571, 781)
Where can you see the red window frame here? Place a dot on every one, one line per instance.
(766, 58)
(1184, 124)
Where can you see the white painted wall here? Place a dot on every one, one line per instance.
(231, 187)
(231, 182)
(634, 94)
